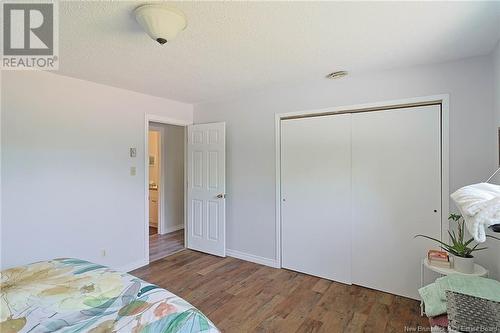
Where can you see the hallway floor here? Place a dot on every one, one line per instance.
(153, 230)
(161, 246)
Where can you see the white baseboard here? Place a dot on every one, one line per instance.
(134, 265)
(173, 228)
(252, 258)
(230, 253)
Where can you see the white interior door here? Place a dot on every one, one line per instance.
(206, 218)
(316, 196)
(396, 183)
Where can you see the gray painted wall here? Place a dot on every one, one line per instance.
(66, 182)
(251, 135)
(494, 246)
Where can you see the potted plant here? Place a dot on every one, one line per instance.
(459, 248)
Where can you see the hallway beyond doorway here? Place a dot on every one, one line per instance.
(161, 246)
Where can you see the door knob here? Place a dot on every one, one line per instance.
(221, 196)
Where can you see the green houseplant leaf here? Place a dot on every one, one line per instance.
(458, 247)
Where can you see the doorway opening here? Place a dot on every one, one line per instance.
(166, 162)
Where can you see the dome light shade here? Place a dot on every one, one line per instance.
(162, 23)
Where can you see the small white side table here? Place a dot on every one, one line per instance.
(478, 271)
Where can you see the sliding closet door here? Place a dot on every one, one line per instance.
(316, 196)
(396, 183)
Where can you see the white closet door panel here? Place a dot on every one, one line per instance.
(316, 194)
(396, 183)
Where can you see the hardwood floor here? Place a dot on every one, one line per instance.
(240, 296)
(161, 246)
(152, 230)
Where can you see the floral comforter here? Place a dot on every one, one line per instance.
(72, 295)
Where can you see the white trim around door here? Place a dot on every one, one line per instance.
(442, 99)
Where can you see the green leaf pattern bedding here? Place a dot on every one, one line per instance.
(72, 295)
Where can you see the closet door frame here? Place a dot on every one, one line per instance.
(442, 100)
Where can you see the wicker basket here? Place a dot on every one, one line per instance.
(472, 314)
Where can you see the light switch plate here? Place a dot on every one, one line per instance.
(133, 171)
(133, 152)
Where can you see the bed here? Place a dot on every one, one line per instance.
(72, 295)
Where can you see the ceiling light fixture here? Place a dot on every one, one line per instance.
(162, 23)
(337, 75)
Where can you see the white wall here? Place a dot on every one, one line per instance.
(67, 188)
(251, 134)
(496, 78)
(172, 160)
(1, 193)
(495, 245)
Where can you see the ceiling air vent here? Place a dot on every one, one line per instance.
(337, 75)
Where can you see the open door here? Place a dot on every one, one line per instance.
(206, 182)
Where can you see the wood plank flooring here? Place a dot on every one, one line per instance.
(161, 246)
(240, 296)
(152, 230)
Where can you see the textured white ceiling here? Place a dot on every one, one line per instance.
(231, 47)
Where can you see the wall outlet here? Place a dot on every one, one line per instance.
(133, 171)
(133, 152)
(103, 253)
